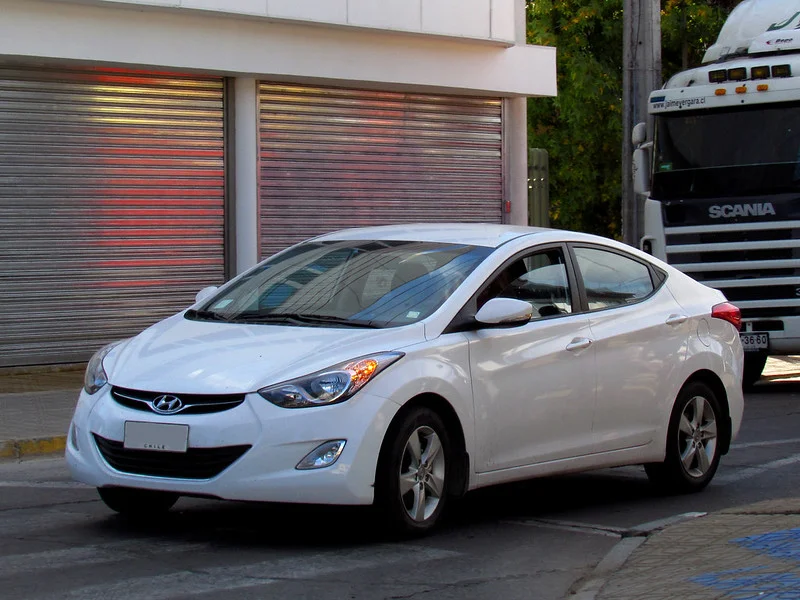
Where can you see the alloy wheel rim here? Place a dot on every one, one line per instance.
(697, 437)
(422, 473)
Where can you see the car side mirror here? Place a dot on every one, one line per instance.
(205, 293)
(504, 311)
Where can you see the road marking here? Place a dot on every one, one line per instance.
(221, 579)
(48, 485)
(28, 521)
(765, 443)
(575, 526)
(749, 472)
(19, 564)
(651, 526)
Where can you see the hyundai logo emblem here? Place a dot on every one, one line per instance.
(167, 404)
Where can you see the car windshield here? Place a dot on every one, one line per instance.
(346, 283)
(736, 152)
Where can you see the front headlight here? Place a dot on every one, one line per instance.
(96, 377)
(330, 386)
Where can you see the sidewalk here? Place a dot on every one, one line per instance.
(35, 410)
(748, 553)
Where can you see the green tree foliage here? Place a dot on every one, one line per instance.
(688, 28)
(582, 127)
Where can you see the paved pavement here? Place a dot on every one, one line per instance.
(746, 553)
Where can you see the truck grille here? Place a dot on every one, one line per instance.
(195, 463)
(756, 265)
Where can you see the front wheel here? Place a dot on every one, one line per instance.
(693, 442)
(414, 472)
(136, 503)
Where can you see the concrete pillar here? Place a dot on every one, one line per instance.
(515, 148)
(246, 172)
(515, 133)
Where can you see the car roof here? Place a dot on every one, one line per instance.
(474, 234)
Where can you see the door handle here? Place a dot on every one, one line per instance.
(677, 319)
(579, 344)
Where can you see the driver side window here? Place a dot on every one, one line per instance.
(539, 278)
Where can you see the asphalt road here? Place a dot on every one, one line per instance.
(532, 540)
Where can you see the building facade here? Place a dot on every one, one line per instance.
(149, 148)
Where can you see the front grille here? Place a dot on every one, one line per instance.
(194, 404)
(195, 463)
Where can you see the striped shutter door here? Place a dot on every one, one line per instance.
(334, 158)
(111, 205)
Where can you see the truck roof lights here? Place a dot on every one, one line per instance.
(782, 71)
(720, 92)
(737, 74)
(762, 87)
(717, 76)
(741, 89)
(759, 72)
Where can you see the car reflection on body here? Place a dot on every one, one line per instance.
(402, 366)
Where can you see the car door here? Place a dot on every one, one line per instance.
(533, 385)
(640, 338)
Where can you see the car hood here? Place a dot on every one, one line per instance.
(184, 356)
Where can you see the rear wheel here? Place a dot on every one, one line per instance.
(137, 503)
(754, 363)
(693, 442)
(414, 473)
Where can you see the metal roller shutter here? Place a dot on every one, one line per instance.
(111, 205)
(333, 158)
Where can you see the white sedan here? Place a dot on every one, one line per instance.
(402, 366)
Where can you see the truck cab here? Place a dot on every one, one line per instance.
(722, 174)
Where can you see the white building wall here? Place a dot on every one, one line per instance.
(197, 40)
(489, 20)
(474, 47)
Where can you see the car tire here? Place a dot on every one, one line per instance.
(414, 473)
(693, 442)
(137, 503)
(754, 363)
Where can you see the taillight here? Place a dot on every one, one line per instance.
(728, 312)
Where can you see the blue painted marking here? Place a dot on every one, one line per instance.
(779, 544)
(658, 98)
(760, 583)
(755, 583)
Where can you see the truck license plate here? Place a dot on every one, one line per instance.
(161, 437)
(753, 342)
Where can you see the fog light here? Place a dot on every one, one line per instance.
(73, 436)
(323, 455)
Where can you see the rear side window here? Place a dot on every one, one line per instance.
(611, 279)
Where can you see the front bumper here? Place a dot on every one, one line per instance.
(279, 439)
(786, 341)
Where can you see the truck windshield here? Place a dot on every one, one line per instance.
(733, 152)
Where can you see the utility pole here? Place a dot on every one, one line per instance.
(641, 74)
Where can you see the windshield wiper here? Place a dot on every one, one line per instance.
(205, 315)
(302, 319)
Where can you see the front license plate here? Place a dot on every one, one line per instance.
(753, 342)
(161, 437)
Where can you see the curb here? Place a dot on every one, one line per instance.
(18, 449)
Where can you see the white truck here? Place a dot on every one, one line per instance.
(722, 174)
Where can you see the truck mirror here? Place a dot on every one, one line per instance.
(639, 134)
(641, 170)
